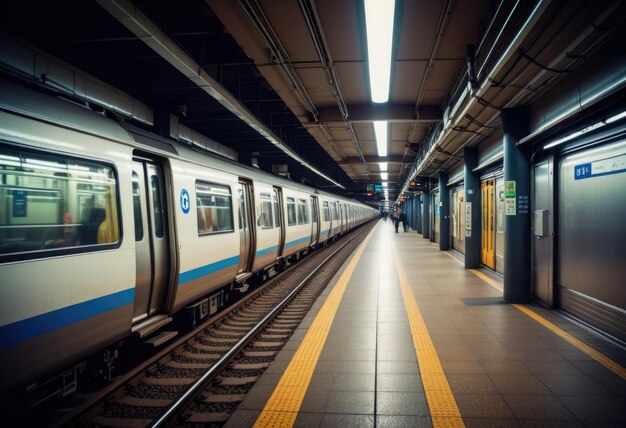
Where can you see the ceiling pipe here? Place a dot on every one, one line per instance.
(311, 17)
(485, 84)
(254, 11)
(444, 17)
(573, 46)
(147, 31)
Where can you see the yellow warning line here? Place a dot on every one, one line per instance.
(444, 411)
(599, 357)
(282, 407)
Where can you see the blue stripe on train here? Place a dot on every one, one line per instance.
(201, 271)
(21, 331)
(267, 251)
(298, 241)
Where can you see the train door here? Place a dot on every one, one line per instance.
(245, 228)
(458, 229)
(435, 218)
(151, 238)
(487, 254)
(499, 208)
(278, 219)
(315, 222)
(541, 245)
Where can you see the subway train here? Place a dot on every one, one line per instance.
(109, 232)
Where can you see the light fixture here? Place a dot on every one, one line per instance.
(385, 184)
(616, 117)
(380, 130)
(379, 29)
(383, 175)
(383, 166)
(575, 134)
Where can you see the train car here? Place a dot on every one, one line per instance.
(108, 232)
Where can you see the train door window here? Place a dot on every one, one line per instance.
(214, 208)
(276, 208)
(49, 202)
(266, 216)
(291, 212)
(326, 215)
(303, 214)
(313, 212)
(137, 208)
(159, 230)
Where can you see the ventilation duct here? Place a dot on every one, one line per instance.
(25, 60)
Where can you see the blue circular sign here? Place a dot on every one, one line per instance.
(185, 201)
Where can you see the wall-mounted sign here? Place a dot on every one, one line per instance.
(614, 165)
(509, 189)
(509, 206)
(468, 219)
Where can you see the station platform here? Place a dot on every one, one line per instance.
(407, 337)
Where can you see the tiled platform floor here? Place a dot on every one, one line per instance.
(503, 367)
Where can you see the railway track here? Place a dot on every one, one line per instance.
(201, 378)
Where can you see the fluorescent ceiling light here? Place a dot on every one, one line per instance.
(616, 117)
(379, 28)
(383, 166)
(383, 175)
(385, 184)
(380, 130)
(574, 135)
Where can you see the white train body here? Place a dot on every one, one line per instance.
(108, 230)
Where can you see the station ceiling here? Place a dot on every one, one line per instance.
(299, 67)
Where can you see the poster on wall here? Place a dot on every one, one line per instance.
(468, 219)
(510, 206)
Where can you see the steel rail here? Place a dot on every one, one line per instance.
(194, 390)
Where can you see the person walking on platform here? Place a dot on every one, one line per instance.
(396, 220)
(405, 221)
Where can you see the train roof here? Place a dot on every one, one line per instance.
(63, 112)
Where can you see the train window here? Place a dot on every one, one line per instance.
(214, 208)
(137, 208)
(50, 202)
(276, 208)
(291, 212)
(266, 216)
(159, 231)
(326, 215)
(303, 212)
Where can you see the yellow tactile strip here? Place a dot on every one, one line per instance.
(282, 407)
(444, 411)
(599, 357)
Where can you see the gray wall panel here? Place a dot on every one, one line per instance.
(592, 228)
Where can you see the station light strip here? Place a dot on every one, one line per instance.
(379, 28)
(380, 131)
(590, 128)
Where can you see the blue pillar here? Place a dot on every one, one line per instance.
(517, 202)
(473, 236)
(426, 214)
(444, 212)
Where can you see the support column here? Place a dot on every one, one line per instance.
(426, 214)
(444, 212)
(471, 212)
(516, 209)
